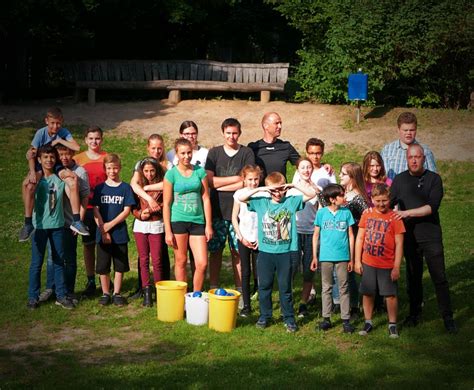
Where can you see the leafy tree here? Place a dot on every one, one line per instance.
(420, 50)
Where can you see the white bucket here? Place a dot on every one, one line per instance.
(197, 309)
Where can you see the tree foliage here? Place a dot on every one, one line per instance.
(420, 51)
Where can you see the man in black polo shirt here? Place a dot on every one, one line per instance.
(418, 192)
(271, 153)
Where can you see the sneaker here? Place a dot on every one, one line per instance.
(367, 329)
(261, 324)
(245, 312)
(65, 303)
(90, 289)
(79, 228)
(302, 311)
(347, 327)
(393, 332)
(32, 304)
(118, 300)
(46, 295)
(450, 325)
(105, 300)
(291, 327)
(412, 320)
(73, 298)
(325, 325)
(25, 233)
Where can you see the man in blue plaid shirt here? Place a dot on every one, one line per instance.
(394, 153)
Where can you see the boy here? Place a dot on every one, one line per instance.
(112, 203)
(92, 160)
(66, 156)
(333, 229)
(322, 176)
(277, 239)
(379, 247)
(48, 222)
(53, 133)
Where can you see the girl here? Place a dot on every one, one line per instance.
(155, 149)
(245, 226)
(357, 201)
(305, 228)
(374, 172)
(148, 228)
(187, 213)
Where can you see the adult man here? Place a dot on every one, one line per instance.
(189, 130)
(418, 193)
(394, 153)
(271, 153)
(223, 166)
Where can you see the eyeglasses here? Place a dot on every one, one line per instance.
(314, 154)
(421, 181)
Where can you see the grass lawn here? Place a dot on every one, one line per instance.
(128, 348)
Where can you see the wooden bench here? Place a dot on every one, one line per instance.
(175, 76)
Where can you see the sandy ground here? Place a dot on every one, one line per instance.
(450, 134)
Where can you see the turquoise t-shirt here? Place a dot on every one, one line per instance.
(48, 212)
(277, 223)
(334, 236)
(187, 200)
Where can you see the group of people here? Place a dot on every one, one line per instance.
(195, 200)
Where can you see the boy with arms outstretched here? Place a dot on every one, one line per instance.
(112, 203)
(53, 133)
(333, 230)
(378, 255)
(48, 222)
(277, 239)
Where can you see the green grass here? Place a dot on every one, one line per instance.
(128, 348)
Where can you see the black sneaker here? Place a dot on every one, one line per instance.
(80, 228)
(450, 325)
(32, 304)
(261, 324)
(90, 289)
(25, 233)
(302, 311)
(118, 300)
(393, 332)
(105, 300)
(325, 325)
(65, 303)
(291, 327)
(412, 320)
(46, 295)
(367, 329)
(347, 327)
(73, 298)
(245, 312)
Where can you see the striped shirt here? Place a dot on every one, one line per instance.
(394, 156)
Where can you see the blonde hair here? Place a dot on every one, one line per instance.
(275, 178)
(112, 158)
(162, 160)
(249, 168)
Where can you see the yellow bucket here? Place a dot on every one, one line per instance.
(170, 300)
(223, 310)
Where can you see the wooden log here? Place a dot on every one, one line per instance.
(91, 96)
(264, 96)
(174, 96)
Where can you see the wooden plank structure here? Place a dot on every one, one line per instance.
(175, 76)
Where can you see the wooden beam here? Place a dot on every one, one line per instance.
(264, 96)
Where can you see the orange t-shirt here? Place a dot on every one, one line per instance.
(379, 238)
(95, 170)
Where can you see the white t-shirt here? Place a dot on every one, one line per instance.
(305, 218)
(199, 157)
(247, 219)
